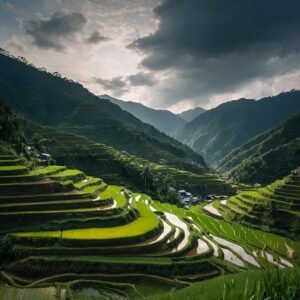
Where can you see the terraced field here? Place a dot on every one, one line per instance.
(122, 168)
(276, 206)
(71, 236)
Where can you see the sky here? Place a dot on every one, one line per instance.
(169, 54)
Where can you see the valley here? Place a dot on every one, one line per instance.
(96, 203)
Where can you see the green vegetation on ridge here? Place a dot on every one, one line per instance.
(74, 109)
(164, 120)
(117, 167)
(219, 131)
(267, 157)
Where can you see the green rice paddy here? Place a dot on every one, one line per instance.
(92, 238)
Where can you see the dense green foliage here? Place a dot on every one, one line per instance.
(9, 125)
(164, 120)
(267, 157)
(54, 101)
(219, 131)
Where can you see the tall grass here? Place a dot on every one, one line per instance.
(281, 285)
(273, 284)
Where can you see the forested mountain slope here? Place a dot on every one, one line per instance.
(267, 157)
(163, 120)
(191, 114)
(218, 131)
(55, 101)
(116, 167)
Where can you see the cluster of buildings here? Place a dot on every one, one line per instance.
(187, 198)
(43, 158)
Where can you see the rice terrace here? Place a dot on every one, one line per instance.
(70, 235)
(182, 193)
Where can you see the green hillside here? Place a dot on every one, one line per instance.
(164, 120)
(275, 207)
(219, 131)
(69, 234)
(267, 157)
(191, 114)
(118, 167)
(9, 125)
(60, 102)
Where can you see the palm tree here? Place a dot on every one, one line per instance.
(168, 182)
(159, 183)
(147, 175)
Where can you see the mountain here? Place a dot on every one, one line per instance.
(163, 120)
(267, 157)
(218, 131)
(114, 166)
(63, 225)
(96, 159)
(191, 114)
(54, 101)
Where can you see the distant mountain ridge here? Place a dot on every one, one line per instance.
(58, 102)
(218, 131)
(163, 120)
(267, 157)
(191, 114)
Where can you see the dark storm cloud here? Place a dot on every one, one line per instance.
(215, 28)
(51, 33)
(117, 85)
(219, 45)
(117, 82)
(120, 85)
(141, 79)
(96, 38)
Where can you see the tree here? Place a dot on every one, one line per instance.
(168, 182)
(22, 59)
(56, 74)
(158, 183)
(173, 198)
(147, 176)
(39, 142)
(9, 124)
